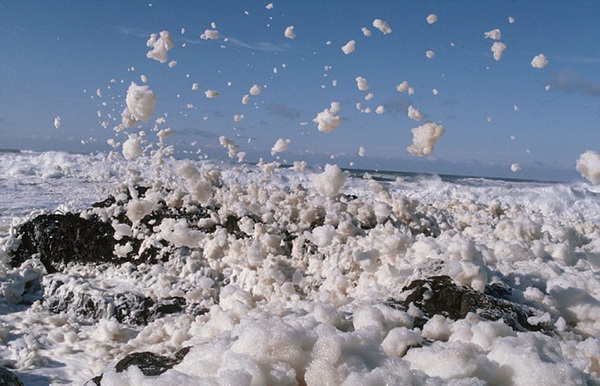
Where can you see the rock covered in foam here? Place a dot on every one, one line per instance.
(439, 295)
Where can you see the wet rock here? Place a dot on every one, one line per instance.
(7, 378)
(149, 364)
(91, 304)
(439, 295)
(59, 239)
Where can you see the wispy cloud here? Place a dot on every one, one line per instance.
(578, 59)
(571, 82)
(138, 32)
(260, 46)
(284, 111)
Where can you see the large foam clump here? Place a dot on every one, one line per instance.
(330, 181)
(327, 120)
(160, 46)
(424, 138)
(539, 61)
(588, 165)
(140, 102)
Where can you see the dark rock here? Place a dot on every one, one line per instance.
(129, 308)
(59, 239)
(439, 295)
(149, 364)
(7, 378)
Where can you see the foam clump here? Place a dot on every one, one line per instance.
(588, 164)
(431, 19)
(255, 90)
(160, 46)
(290, 32)
(57, 122)
(280, 146)
(382, 26)
(362, 83)
(515, 167)
(327, 120)
(211, 94)
(329, 183)
(210, 34)
(424, 138)
(366, 32)
(414, 113)
(349, 47)
(493, 34)
(498, 49)
(140, 104)
(539, 61)
(132, 147)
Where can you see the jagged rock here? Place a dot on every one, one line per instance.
(126, 307)
(59, 239)
(149, 364)
(7, 378)
(439, 295)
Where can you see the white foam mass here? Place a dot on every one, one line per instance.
(402, 87)
(539, 61)
(362, 83)
(210, 34)
(280, 145)
(269, 6)
(327, 120)
(424, 138)
(367, 32)
(431, 19)
(361, 151)
(380, 109)
(414, 113)
(330, 182)
(349, 47)
(140, 103)
(382, 26)
(290, 33)
(255, 90)
(132, 147)
(493, 34)
(160, 46)
(246, 99)
(228, 144)
(511, 19)
(498, 48)
(588, 164)
(56, 122)
(238, 117)
(515, 167)
(369, 96)
(430, 54)
(210, 94)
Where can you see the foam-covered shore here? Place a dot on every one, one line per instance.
(299, 292)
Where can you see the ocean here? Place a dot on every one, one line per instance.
(299, 275)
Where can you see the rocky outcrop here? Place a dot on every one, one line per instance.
(7, 378)
(149, 364)
(439, 295)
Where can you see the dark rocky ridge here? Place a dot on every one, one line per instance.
(149, 364)
(439, 295)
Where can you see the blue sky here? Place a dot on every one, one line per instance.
(54, 50)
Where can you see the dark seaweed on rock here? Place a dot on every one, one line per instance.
(439, 295)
